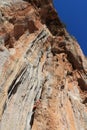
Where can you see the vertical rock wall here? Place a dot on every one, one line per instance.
(43, 72)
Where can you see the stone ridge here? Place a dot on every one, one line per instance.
(43, 72)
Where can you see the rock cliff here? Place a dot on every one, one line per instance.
(43, 71)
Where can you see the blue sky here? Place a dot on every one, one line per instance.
(74, 14)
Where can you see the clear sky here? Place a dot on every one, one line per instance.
(74, 14)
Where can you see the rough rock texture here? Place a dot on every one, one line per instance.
(43, 72)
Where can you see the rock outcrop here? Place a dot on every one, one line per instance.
(43, 71)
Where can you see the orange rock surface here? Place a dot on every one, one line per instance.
(43, 71)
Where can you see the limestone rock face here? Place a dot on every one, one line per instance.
(43, 72)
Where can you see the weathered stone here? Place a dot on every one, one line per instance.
(43, 72)
(31, 26)
(19, 30)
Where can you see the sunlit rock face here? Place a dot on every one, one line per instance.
(43, 72)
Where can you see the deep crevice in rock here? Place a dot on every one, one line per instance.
(73, 61)
(32, 117)
(4, 107)
(15, 84)
(85, 101)
(13, 89)
(82, 84)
